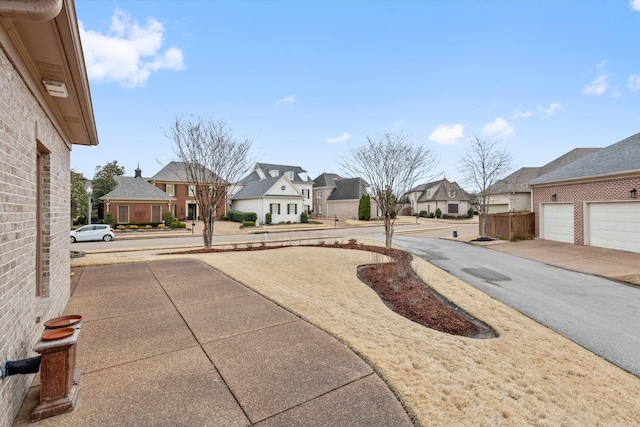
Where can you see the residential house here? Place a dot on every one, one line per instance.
(136, 200)
(284, 191)
(173, 180)
(512, 194)
(447, 196)
(594, 200)
(45, 109)
(334, 196)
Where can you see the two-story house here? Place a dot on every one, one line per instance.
(283, 191)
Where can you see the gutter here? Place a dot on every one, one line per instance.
(24, 10)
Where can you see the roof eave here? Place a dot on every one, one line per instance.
(578, 180)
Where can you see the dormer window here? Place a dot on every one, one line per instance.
(274, 172)
(452, 194)
(290, 175)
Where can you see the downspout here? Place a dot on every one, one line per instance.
(23, 10)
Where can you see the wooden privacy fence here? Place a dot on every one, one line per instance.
(509, 225)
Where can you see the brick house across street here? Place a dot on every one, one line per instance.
(45, 108)
(445, 195)
(594, 200)
(137, 200)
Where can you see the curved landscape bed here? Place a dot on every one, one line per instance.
(401, 289)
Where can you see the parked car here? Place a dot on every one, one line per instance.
(93, 232)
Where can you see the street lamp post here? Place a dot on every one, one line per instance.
(89, 193)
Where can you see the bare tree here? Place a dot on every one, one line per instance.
(484, 164)
(392, 166)
(213, 159)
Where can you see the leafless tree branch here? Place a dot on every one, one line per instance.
(213, 159)
(392, 166)
(484, 164)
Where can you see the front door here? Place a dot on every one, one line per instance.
(191, 211)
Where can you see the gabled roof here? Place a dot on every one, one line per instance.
(266, 167)
(348, 189)
(619, 158)
(517, 182)
(441, 192)
(260, 188)
(137, 189)
(326, 180)
(176, 172)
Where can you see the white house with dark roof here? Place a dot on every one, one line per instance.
(511, 194)
(594, 200)
(284, 191)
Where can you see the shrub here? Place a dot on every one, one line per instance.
(109, 219)
(80, 220)
(168, 217)
(438, 213)
(364, 208)
(178, 224)
(423, 214)
(248, 223)
(267, 218)
(431, 215)
(304, 218)
(161, 226)
(121, 227)
(224, 218)
(148, 226)
(239, 216)
(133, 227)
(470, 213)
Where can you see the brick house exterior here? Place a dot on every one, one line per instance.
(172, 179)
(334, 196)
(37, 130)
(596, 196)
(447, 196)
(137, 201)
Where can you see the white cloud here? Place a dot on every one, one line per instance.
(128, 53)
(447, 135)
(548, 112)
(342, 138)
(635, 5)
(634, 80)
(520, 114)
(597, 87)
(286, 100)
(498, 128)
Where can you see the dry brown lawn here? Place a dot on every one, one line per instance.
(529, 375)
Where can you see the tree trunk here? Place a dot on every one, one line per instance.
(388, 231)
(207, 232)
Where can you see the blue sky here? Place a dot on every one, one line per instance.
(308, 80)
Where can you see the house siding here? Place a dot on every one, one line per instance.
(23, 124)
(579, 194)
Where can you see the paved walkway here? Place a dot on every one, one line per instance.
(175, 342)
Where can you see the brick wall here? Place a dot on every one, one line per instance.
(605, 190)
(23, 125)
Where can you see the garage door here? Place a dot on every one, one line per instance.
(615, 225)
(557, 222)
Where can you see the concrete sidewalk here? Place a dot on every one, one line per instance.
(175, 342)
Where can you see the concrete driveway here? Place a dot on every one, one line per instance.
(599, 314)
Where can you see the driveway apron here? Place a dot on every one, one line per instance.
(599, 314)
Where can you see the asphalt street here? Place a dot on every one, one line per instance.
(601, 315)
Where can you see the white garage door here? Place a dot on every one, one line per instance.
(615, 225)
(557, 222)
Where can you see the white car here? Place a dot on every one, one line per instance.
(92, 232)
